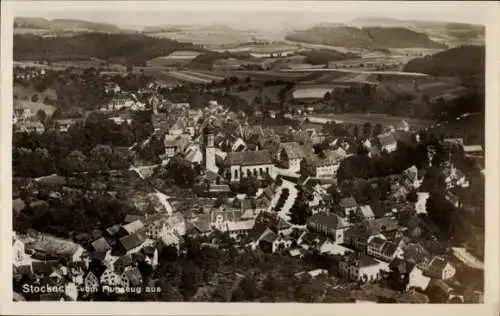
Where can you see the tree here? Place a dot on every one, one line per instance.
(248, 185)
(41, 115)
(76, 161)
(238, 295)
(191, 277)
(102, 155)
(367, 129)
(300, 211)
(378, 129)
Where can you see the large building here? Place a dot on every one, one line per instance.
(248, 163)
(290, 155)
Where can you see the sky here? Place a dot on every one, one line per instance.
(254, 14)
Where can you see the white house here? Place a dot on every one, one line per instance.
(360, 267)
(249, 163)
(417, 279)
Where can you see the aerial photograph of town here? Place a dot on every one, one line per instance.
(215, 158)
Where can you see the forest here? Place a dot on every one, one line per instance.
(124, 49)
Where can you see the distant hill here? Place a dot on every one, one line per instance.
(367, 37)
(459, 61)
(64, 25)
(122, 49)
(450, 33)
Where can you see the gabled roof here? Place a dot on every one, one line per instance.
(123, 261)
(293, 150)
(202, 223)
(268, 236)
(348, 202)
(332, 221)
(367, 211)
(133, 227)
(131, 241)
(101, 245)
(248, 158)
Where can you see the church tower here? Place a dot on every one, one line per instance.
(209, 150)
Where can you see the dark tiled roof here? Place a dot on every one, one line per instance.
(377, 243)
(131, 241)
(348, 202)
(257, 230)
(101, 245)
(202, 224)
(269, 236)
(246, 158)
(365, 261)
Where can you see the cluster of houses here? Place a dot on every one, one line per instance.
(373, 247)
(25, 121)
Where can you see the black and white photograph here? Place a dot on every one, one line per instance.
(249, 156)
